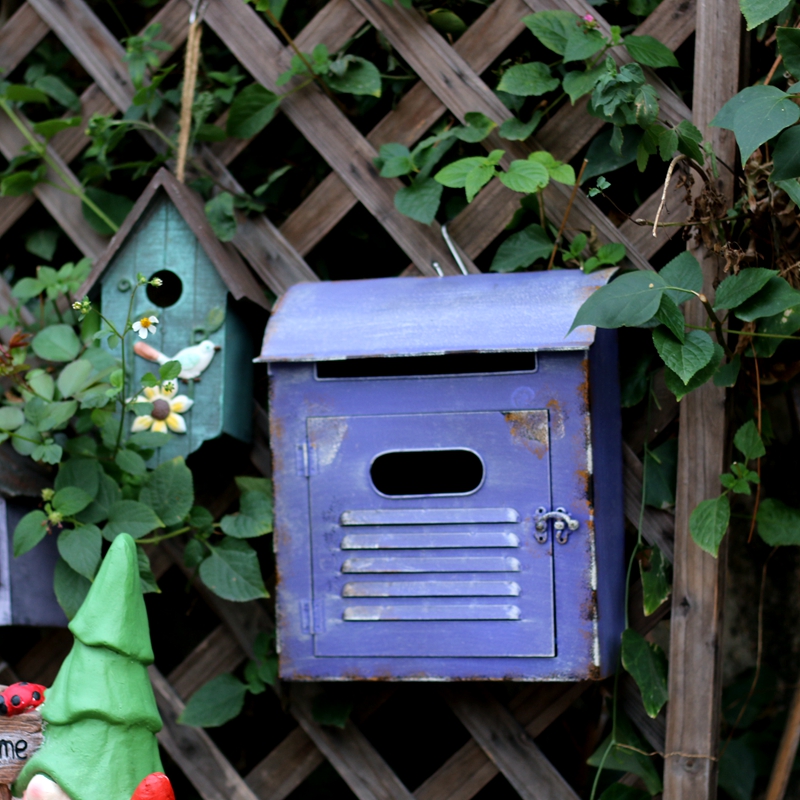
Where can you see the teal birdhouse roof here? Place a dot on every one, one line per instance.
(231, 268)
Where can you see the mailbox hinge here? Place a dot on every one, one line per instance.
(312, 616)
(562, 522)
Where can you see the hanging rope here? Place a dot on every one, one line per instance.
(189, 81)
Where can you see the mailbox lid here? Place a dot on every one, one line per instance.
(335, 320)
(442, 574)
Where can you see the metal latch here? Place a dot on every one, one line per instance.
(563, 523)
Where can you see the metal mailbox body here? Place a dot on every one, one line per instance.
(448, 480)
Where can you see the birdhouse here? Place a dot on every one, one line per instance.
(166, 236)
(26, 583)
(448, 479)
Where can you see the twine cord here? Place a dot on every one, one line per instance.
(190, 67)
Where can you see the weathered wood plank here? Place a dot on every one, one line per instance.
(418, 109)
(219, 652)
(192, 750)
(349, 752)
(657, 526)
(19, 35)
(654, 730)
(329, 131)
(286, 767)
(695, 674)
(507, 744)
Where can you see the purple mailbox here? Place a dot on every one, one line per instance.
(448, 480)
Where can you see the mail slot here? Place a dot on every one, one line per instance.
(448, 480)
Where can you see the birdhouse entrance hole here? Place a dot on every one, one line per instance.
(424, 366)
(402, 473)
(169, 292)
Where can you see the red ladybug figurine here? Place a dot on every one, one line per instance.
(20, 697)
(155, 786)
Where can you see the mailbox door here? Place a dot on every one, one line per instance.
(430, 573)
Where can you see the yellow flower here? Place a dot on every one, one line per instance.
(167, 410)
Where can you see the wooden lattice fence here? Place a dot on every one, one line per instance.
(501, 735)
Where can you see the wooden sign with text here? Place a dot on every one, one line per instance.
(20, 738)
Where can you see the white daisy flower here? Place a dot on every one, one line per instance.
(145, 325)
(167, 410)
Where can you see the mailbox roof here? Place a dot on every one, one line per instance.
(336, 320)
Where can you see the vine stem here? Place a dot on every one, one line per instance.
(664, 192)
(41, 149)
(718, 329)
(170, 535)
(566, 214)
(758, 461)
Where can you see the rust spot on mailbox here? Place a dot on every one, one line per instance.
(530, 429)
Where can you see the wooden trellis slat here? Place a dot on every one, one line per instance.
(695, 674)
(507, 744)
(19, 35)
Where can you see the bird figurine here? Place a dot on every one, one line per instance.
(194, 360)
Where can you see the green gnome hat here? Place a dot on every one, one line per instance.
(101, 715)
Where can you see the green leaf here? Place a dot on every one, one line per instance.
(680, 389)
(221, 216)
(619, 791)
(708, 523)
(624, 759)
(85, 473)
(81, 549)
(447, 22)
(670, 315)
(49, 452)
(477, 179)
(552, 28)
(30, 530)
(758, 11)
(454, 175)
(687, 358)
(778, 524)
(792, 188)
(11, 418)
(70, 588)
(132, 517)
(74, 377)
(247, 483)
(647, 664)
(735, 289)
(683, 271)
(254, 517)
(54, 87)
(170, 370)
(727, 374)
(748, 441)
(522, 249)
(655, 583)
(785, 156)
(755, 115)
(114, 206)
(42, 243)
(56, 415)
(582, 44)
(630, 300)
(360, 77)
(56, 343)
(478, 127)
(646, 104)
(576, 83)
(215, 319)
(19, 93)
(332, 708)
(395, 160)
(21, 442)
(251, 111)
(776, 296)
(603, 159)
(739, 767)
(169, 491)
(789, 48)
(784, 324)
(525, 176)
(232, 571)
(650, 52)
(70, 500)
(517, 131)
(420, 200)
(147, 580)
(215, 703)
(42, 383)
(662, 465)
(26, 288)
(130, 462)
(528, 80)
(22, 182)
(194, 553)
(149, 439)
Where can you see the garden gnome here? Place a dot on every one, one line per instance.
(101, 715)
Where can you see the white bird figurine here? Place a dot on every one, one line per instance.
(194, 360)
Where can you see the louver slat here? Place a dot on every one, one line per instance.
(442, 564)
(428, 516)
(430, 612)
(428, 541)
(431, 589)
